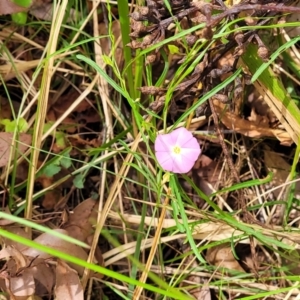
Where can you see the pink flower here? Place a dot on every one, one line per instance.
(177, 151)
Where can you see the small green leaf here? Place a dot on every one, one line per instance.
(19, 18)
(173, 49)
(51, 170)
(78, 181)
(60, 139)
(10, 126)
(107, 60)
(47, 126)
(66, 160)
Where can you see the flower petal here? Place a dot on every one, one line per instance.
(193, 150)
(183, 164)
(165, 160)
(163, 143)
(181, 136)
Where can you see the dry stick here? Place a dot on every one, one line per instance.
(143, 278)
(214, 20)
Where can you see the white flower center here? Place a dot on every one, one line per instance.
(176, 150)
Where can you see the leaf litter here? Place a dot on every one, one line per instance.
(257, 141)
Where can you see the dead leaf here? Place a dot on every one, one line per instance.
(49, 240)
(260, 107)
(23, 285)
(8, 107)
(51, 197)
(6, 145)
(276, 164)
(20, 280)
(77, 142)
(257, 119)
(248, 128)
(279, 167)
(42, 12)
(8, 7)
(44, 276)
(201, 290)
(20, 231)
(84, 111)
(5, 222)
(81, 221)
(80, 225)
(68, 285)
(221, 256)
(106, 44)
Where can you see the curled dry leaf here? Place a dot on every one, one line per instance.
(6, 141)
(20, 281)
(44, 276)
(248, 128)
(68, 285)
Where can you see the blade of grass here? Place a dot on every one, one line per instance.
(174, 187)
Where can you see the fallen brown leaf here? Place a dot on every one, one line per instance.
(81, 221)
(222, 257)
(68, 285)
(49, 240)
(20, 231)
(20, 281)
(6, 145)
(44, 276)
(248, 128)
(8, 7)
(106, 44)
